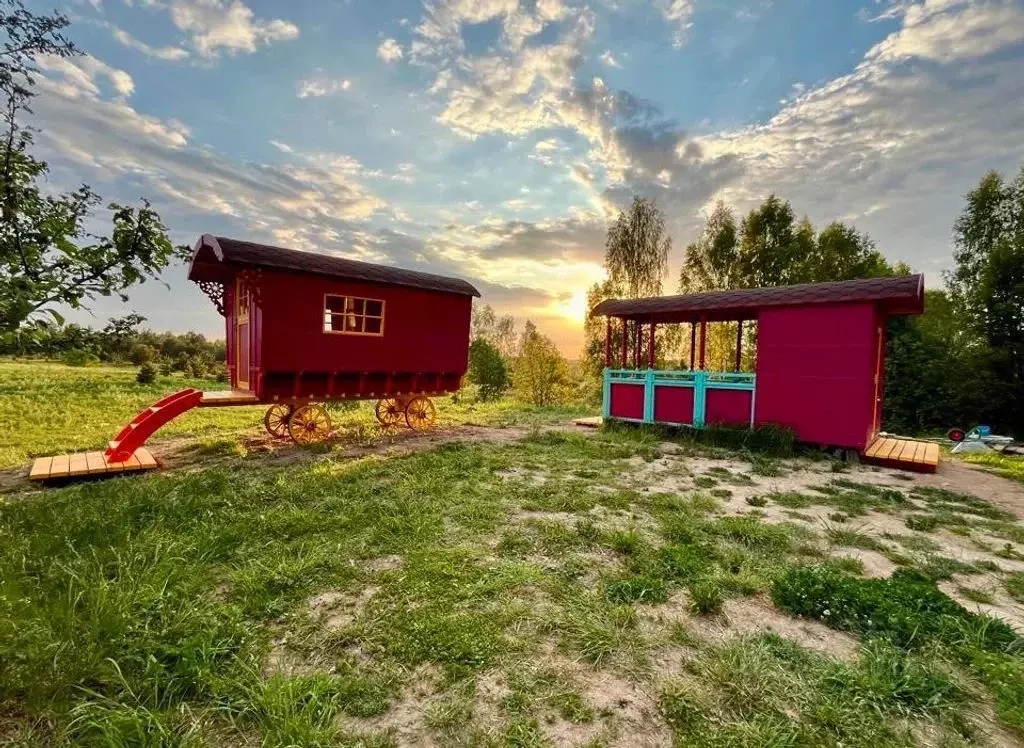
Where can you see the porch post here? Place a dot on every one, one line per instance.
(650, 348)
(739, 344)
(608, 343)
(703, 340)
(693, 345)
(638, 334)
(625, 329)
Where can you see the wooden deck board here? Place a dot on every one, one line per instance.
(228, 397)
(85, 464)
(903, 453)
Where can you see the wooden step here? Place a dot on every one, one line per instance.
(88, 464)
(908, 454)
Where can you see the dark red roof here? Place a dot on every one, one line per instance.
(211, 250)
(900, 295)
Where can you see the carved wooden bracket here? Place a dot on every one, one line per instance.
(214, 290)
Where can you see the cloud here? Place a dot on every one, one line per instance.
(283, 147)
(321, 85)
(609, 60)
(229, 26)
(160, 53)
(678, 14)
(390, 50)
(80, 75)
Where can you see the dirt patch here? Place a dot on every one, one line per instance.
(1002, 606)
(876, 566)
(383, 563)
(959, 476)
(404, 721)
(756, 615)
(336, 609)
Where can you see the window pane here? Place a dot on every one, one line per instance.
(336, 303)
(374, 308)
(353, 323)
(373, 325)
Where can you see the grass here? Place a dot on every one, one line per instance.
(50, 408)
(1005, 465)
(246, 602)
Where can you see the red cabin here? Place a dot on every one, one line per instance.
(818, 367)
(306, 325)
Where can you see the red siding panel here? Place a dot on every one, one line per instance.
(815, 372)
(673, 404)
(424, 332)
(627, 401)
(727, 407)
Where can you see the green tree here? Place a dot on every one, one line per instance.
(48, 258)
(713, 261)
(540, 375)
(843, 253)
(636, 250)
(771, 249)
(487, 369)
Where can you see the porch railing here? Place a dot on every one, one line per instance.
(701, 382)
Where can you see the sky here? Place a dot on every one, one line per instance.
(495, 140)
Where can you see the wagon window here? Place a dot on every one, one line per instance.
(353, 316)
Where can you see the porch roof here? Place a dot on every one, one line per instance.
(897, 295)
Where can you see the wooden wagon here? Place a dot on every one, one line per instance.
(303, 329)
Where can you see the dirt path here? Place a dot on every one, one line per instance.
(959, 476)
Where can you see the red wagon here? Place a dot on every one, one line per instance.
(303, 329)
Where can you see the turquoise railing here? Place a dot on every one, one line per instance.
(699, 381)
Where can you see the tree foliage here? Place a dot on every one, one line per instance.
(487, 369)
(540, 375)
(636, 250)
(48, 258)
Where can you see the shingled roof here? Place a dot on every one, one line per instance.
(899, 295)
(220, 249)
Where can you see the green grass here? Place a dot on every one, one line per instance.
(1007, 466)
(50, 408)
(244, 602)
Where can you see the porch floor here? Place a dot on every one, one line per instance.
(909, 454)
(227, 397)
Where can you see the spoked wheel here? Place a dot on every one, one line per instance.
(276, 419)
(420, 413)
(389, 411)
(309, 424)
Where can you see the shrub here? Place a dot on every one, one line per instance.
(143, 354)
(706, 597)
(79, 357)
(147, 374)
(487, 369)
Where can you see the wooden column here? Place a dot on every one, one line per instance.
(625, 337)
(703, 340)
(608, 343)
(650, 348)
(693, 345)
(739, 344)
(638, 334)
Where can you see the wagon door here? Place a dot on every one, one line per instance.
(242, 336)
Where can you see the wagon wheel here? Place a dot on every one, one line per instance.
(389, 411)
(276, 419)
(309, 424)
(420, 413)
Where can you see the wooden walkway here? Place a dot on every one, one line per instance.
(909, 454)
(86, 464)
(227, 397)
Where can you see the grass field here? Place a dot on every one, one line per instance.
(566, 588)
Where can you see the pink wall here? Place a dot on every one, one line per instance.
(673, 404)
(729, 407)
(627, 401)
(815, 372)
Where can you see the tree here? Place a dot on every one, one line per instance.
(541, 374)
(771, 250)
(48, 258)
(843, 253)
(636, 250)
(713, 261)
(487, 369)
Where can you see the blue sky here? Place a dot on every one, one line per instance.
(495, 139)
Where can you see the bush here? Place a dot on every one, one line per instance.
(143, 354)
(147, 374)
(79, 357)
(487, 369)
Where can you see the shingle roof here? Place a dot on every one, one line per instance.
(265, 256)
(900, 295)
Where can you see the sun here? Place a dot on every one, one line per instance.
(574, 307)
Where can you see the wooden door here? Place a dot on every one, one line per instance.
(242, 348)
(876, 401)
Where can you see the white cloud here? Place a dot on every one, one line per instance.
(607, 58)
(161, 53)
(678, 14)
(230, 26)
(283, 147)
(390, 50)
(79, 75)
(321, 85)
